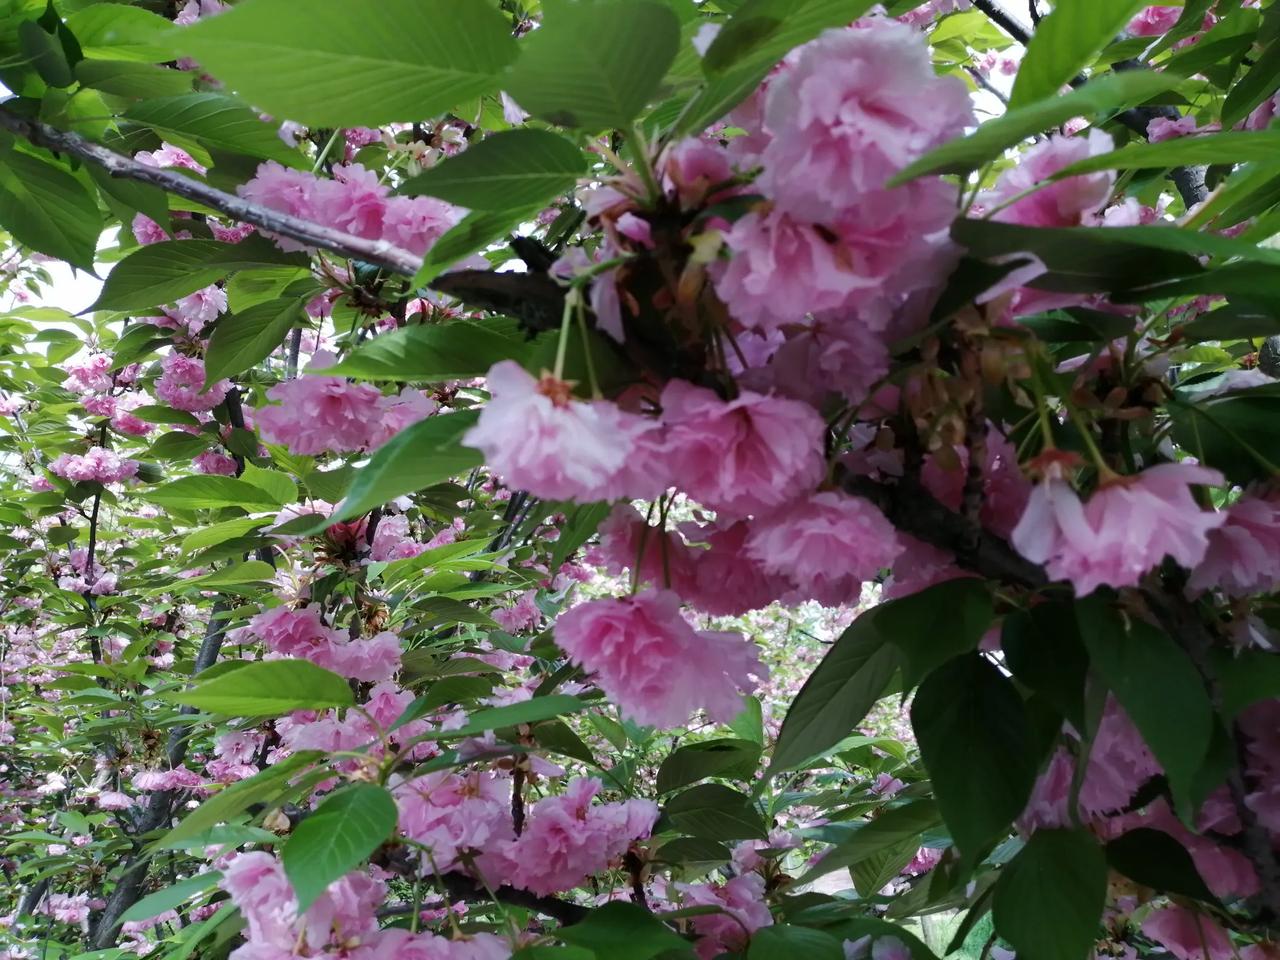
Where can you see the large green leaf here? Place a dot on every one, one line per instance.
(171, 896)
(1048, 900)
(936, 624)
(1254, 87)
(125, 78)
(715, 812)
(728, 758)
(594, 64)
(887, 830)
(455, 350)
(622, 931)
(782, 941)
(1229, 148)
(334, 63)
(214, 120)
(975, 740)
(514, 714)
(852, 676)
(337, 837)
(45, 208)
(1159, 688)
(164, 272)
(1108, 94)
(210, 493)
(761, 32)
(419, 456)
(268, 688)
(1065, 42)
(504, 171)
(1154, 859)
(241, 340)
(118, 31)
(475, 231)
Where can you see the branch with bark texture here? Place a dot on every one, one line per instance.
(377, 252)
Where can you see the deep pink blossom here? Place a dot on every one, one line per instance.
(727, 579)
(181, 384)
(1187, 934)
(826, 544)
(455, 814)
(747, 455)
(1154, 21)
(652, 664)
(743, 912)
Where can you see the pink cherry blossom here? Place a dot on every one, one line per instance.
(744, 911)
(658, 557)
(315, 413)
(1244, 553)
(98, 464)
(1127, 527)
(856, 106)
(1154, 21)
(747, 455)
(567, 838)
(454, 814)
(540, 439)
(826, 544)
(1187, 934)
(181, 384)
(727, 579)
(1064, 203)
(652, 664)
(1162, 128)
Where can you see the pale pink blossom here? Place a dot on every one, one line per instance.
(1243, 557)
(747, 455)
(317, 414)
(1128, 526)
(399, 411)
(214, 462)
(455, 814)
(1064, 203)
(540, 439)
(522, 615)
(98, 464)
(743, 912)
(1162, 128)
(651, 663)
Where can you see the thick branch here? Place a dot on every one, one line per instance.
(377, 252)
(464, 888)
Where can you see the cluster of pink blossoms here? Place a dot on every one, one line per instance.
(99, 465)
(301, 633)
(181, 384)
(317, 414)
(353, 201)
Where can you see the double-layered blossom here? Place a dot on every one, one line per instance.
(1025, 194)
(455, 814)
(567, 838)
(181, 384)
(1244, 552)
(98, 464)
(317, 414)
(540, 439)
(653, 664)
(1127, 527)
(742, 911)
(826, 544)
(748, 455)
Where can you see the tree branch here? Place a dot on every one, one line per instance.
(377, 252)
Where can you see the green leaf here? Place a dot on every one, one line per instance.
(1065, 42)
(171, 896)
(475, 231)
(1049, 898)
(337, 64)
(242, 340)
(268, 688)
(1247, 678)
(852, 676)
(47, 209)
(164, 272)
(1230, 148)
(1159, 688)
(504, 171)
(975, 741)
(1107, 94)
(890, 828)
(514, 714)
(936, 624)
(761, 32)
(141, 197)
(425, 453)
(727, 758)
(1043, 649)
(1233, 321)
(45, 54)
(215, 121)
(715, 812)
(1154, 859)
(622, 931)
(238, 797)
(336, 838)
(210, 492)
(221, 533)
(454, 350)
(594, 64)
(782, 941)
(692, 850)
(275, 484)
(117, 31)
(123, 78)
(1254, 87)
